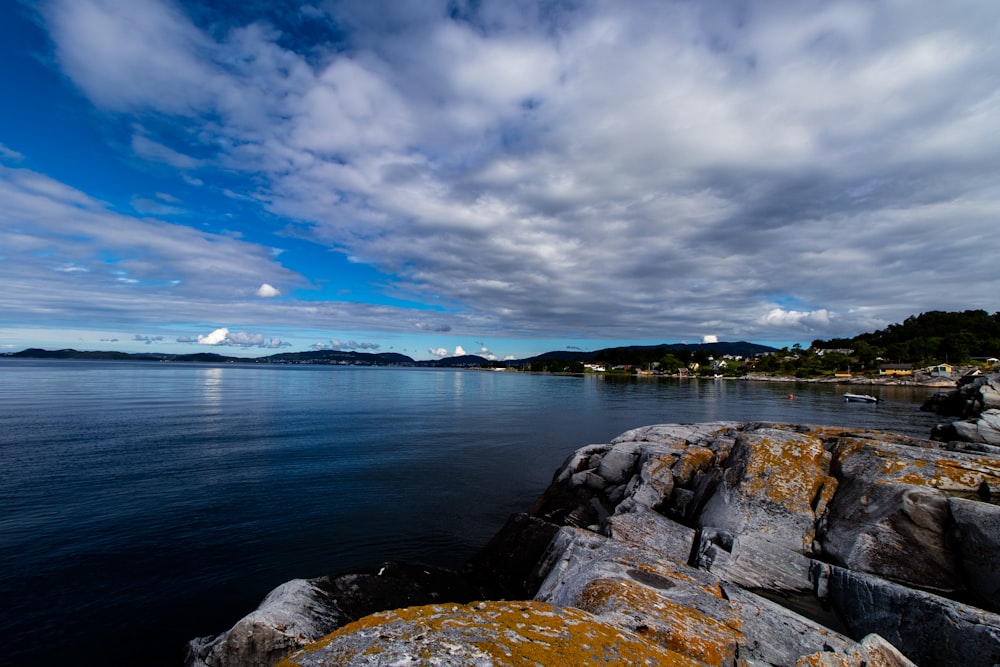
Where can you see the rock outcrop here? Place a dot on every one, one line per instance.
(717, 544)
(974, 407)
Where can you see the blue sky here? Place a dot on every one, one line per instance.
(494, 177)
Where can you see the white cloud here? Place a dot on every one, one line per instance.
(151, 150)
(223, 337)
(438, 352)
(459, 351)
(267, 291)
(10, 155)
(780, 318)
(217, 337)
(710, 159)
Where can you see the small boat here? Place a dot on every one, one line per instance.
(860, 398)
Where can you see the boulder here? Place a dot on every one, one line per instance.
(926, 628)
(485, 633)
(976, 535)
(770, 485)
(872, 651)
(929, 466)
(973, 395)
(679, 607)
(896, 531)
(291, 616)
(303, 610)
(754, 562)
(649, 530)
(651, 487)
(618, 464)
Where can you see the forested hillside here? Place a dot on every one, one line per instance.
(931, 337)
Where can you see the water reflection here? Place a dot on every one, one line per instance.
(210, 388)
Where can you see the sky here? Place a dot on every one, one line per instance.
(495, 177)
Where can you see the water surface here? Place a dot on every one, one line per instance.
(142, 504)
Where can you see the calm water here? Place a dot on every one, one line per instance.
(142, 504)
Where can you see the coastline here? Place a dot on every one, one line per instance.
(801, 569)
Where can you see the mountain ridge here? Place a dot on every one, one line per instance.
(349, 357)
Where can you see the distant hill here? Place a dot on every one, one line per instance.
(340, 357)
(930, 337)
(634, 354)
(465, 361)
(644, 354)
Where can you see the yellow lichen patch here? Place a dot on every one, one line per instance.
(680, 573)
(693, 460)
(675, 626)
(848, 447)
(827, 659)
(485, 633)
(826, 493)
(787, 471)
(919, 466)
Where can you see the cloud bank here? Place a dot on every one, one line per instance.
(765, 171)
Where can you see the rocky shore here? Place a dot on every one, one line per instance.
(708, 544)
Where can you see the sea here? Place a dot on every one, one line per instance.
(143, 504)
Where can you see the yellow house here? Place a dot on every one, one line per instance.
(895, 369)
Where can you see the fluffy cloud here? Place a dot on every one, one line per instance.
(266, 291)
(443, 352)
(641, 169)
(811, 320)
(709, 339)
(217, 337)
(223, 336)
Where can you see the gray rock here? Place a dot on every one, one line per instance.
(872, 651)
(618, 464)
(589, 479)
(292, 615)
(684, 609)
(989, 426)
(926, 628)
(770, 483)
(579, 460)
(693, 460)
(990, 393)
(484, 634)
(645, 529)
(653, 485)
(754, 562)
(896, 531)
(935, 467)
(977, 536)
(677, 435)
(303, 610)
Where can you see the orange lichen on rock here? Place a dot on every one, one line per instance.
(891, 463)
(676, 626)
(786, 470)
(485, 633)
(677, 573)
(693, 460)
